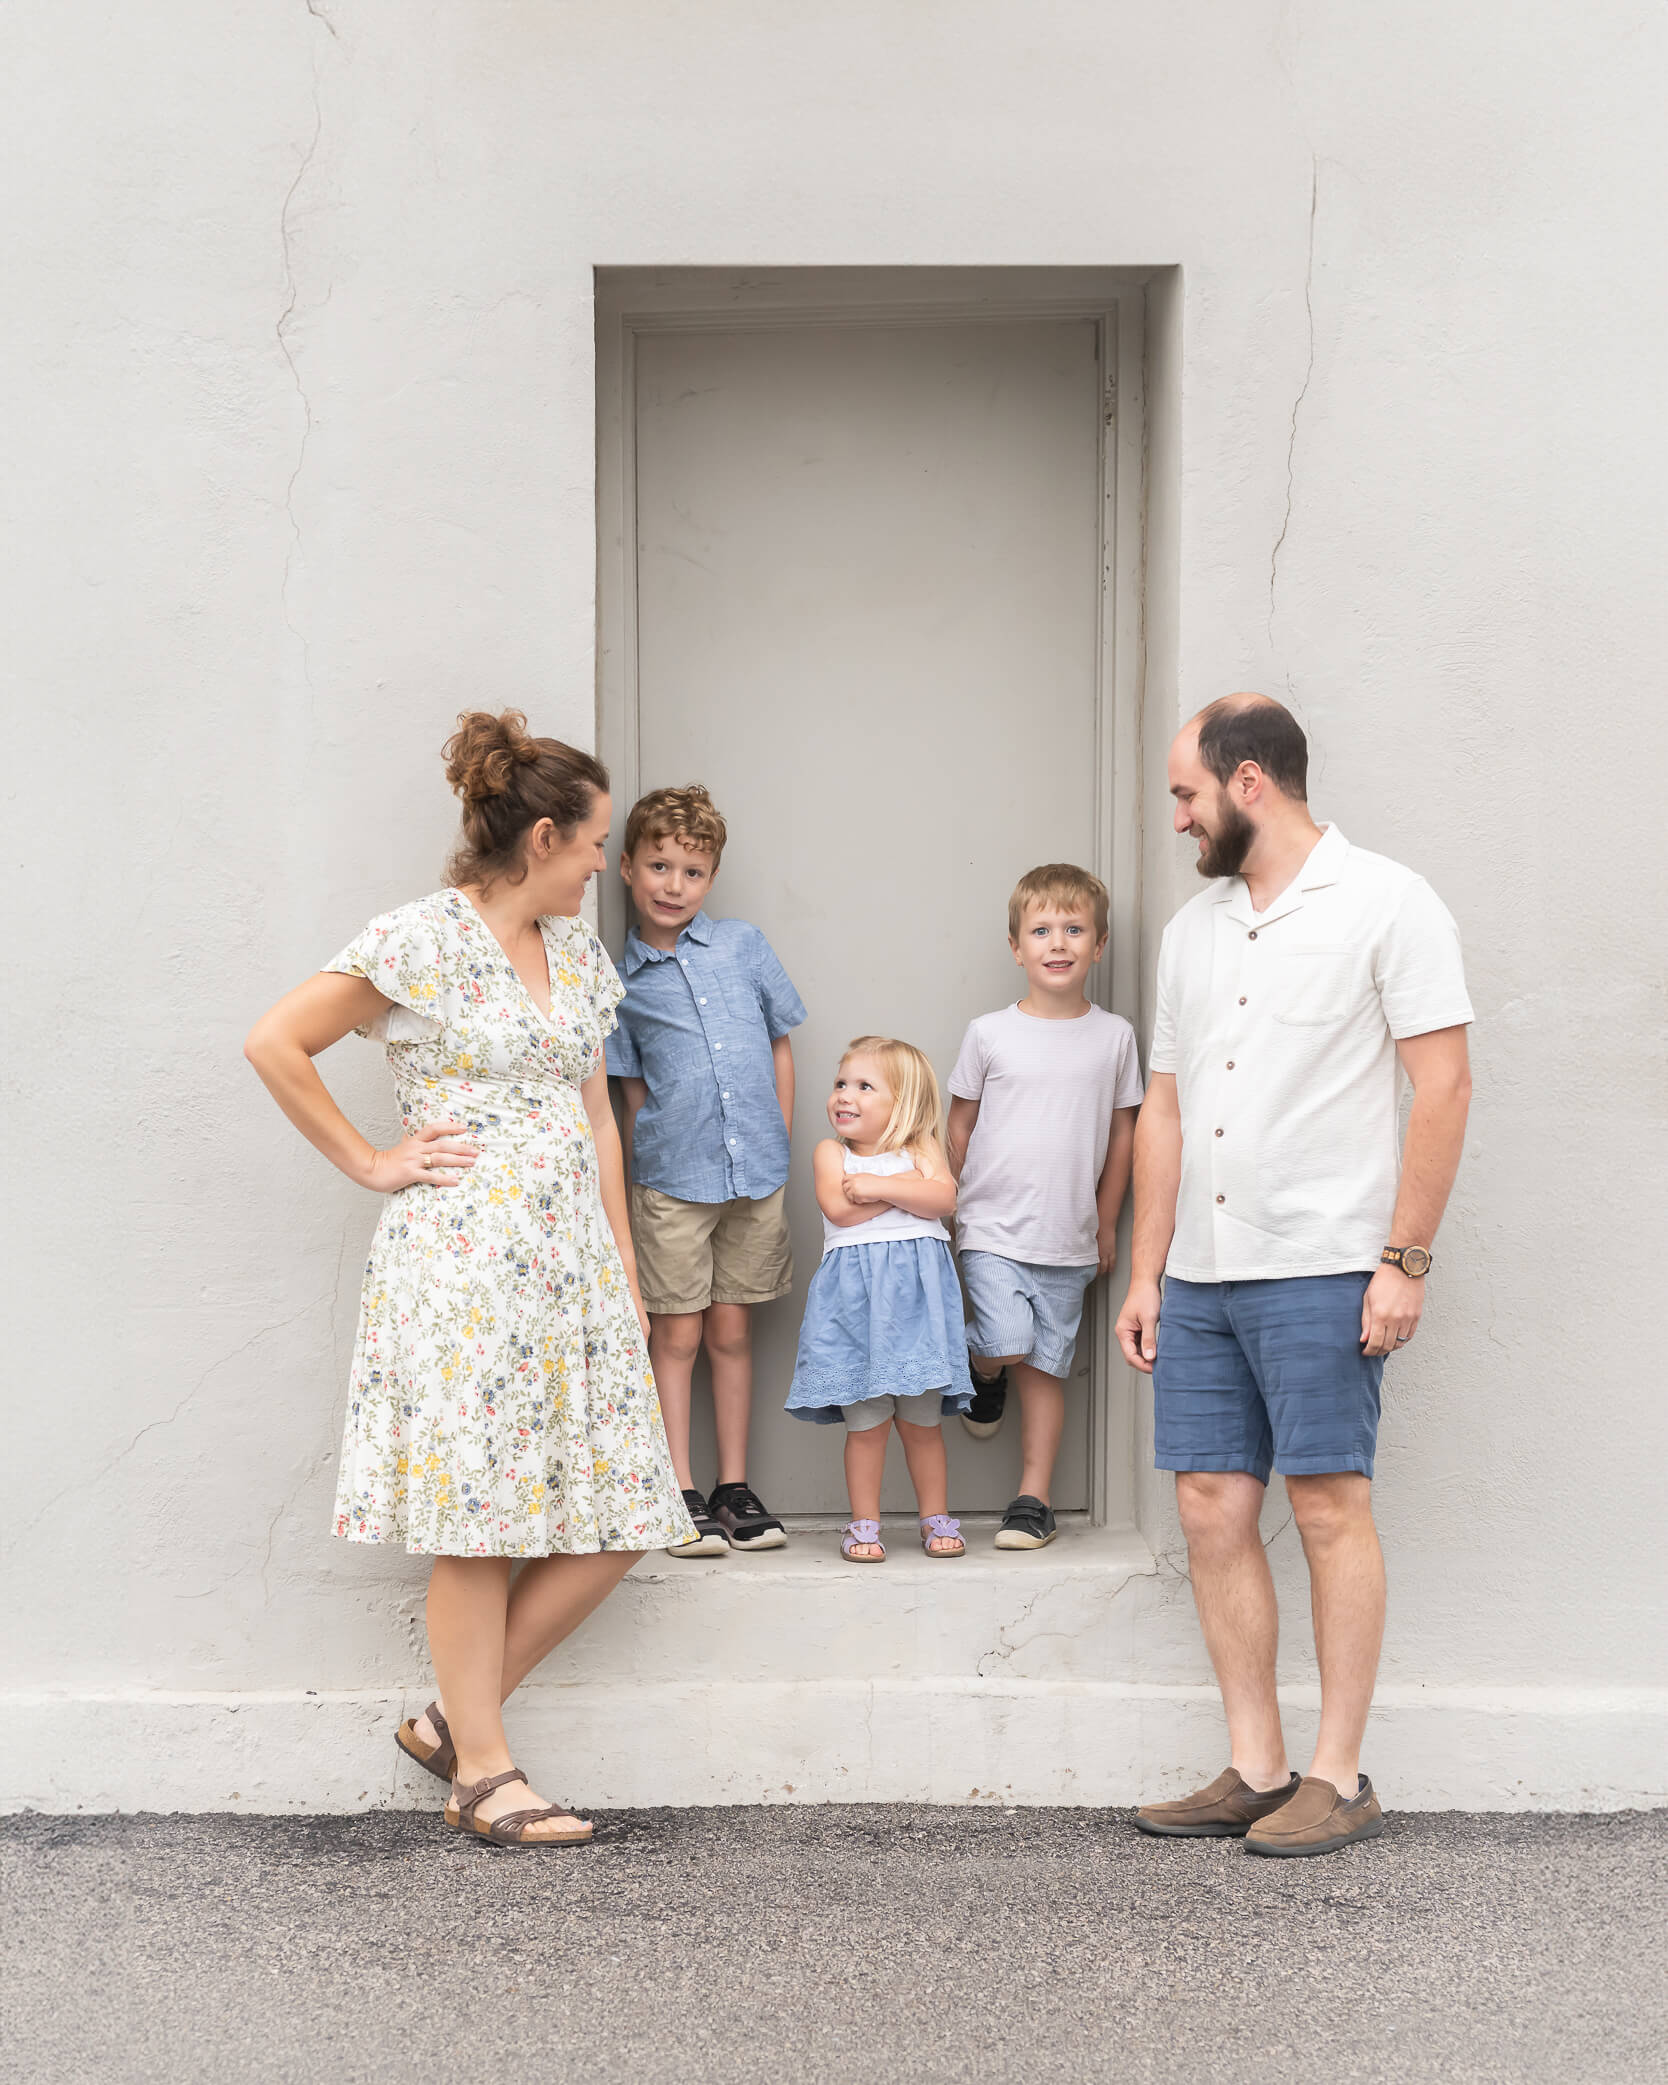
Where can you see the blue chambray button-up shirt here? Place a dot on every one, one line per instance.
(696, 1026)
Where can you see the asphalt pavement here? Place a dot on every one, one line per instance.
(787, 1946)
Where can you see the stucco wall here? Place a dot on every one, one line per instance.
(302, 340)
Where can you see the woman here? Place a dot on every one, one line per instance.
(501, 1404)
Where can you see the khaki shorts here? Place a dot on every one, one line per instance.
(690, 1254)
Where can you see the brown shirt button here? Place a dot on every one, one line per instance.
(1242, 1000)
(1230, 1064)
(1253, 934)
(1219, 1132)
(1222, 1198)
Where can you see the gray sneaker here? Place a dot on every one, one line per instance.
(709, 1539)
(743, 1516)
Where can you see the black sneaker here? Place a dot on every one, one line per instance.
(743, 1517)
(990, 1397)
(710, 1538)
(1027, 1524)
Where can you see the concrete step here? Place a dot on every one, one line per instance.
(1070, 1611)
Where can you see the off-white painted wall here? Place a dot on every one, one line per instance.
(301, 362)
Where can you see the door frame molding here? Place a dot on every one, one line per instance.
(631, 302)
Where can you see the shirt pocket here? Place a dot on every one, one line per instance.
(1313, 987)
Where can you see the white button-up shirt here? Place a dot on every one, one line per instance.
(1281, 1029)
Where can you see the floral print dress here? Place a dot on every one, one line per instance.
(501, 1402)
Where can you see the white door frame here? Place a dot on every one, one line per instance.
(632, 302)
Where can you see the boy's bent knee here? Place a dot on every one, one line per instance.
(677, 1334)
(728, 1330)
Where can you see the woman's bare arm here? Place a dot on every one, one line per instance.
(282, 1045)
(611, 1180)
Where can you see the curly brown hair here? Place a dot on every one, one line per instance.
(686, 814)
(508, 781)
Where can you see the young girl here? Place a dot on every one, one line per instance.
(883, 1337)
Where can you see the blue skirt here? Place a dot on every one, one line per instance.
(882, 1320)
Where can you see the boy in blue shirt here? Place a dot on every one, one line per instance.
(706, 1071)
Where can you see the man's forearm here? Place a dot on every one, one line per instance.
(1158, 1157)
(1430, 1160)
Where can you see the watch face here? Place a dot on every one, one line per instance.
(1415, 1260)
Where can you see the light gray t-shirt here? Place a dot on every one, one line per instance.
(1046, 1091)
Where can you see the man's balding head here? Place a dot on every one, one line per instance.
(1239, 728)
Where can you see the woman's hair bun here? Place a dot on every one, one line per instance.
(484, 752)
(509, 782)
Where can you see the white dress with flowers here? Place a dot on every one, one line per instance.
(501, 1402)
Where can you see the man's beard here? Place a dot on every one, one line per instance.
(1223, 854)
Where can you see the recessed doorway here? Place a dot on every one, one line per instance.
(870, 556)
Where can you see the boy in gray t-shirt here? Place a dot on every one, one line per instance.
(1042, 1128)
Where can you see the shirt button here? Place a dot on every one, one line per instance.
(1230, 1063)
(703, 1002)
(726, 1096)
(1222, 1198)
(1242, 1001)
(732, 1140)
(718, 1046)
(1219, 1132)
(1252, 935)
(684, 960)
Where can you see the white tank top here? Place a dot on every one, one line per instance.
(888, 1221)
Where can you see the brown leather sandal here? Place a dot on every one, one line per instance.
(511, 1828)
(441, 1760)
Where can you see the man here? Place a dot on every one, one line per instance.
(1292, 1239)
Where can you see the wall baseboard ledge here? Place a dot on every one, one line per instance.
(944, 1739)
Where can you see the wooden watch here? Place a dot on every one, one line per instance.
(1411, 1259)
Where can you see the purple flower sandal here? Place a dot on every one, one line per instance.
(862, 1534)
(942, 1528)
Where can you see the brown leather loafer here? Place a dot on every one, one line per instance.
(1227, 1809)
(1318, 1820)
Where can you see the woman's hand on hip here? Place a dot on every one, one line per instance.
(433, 1157)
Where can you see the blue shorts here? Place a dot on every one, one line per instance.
(1258, 1375)
(1024, 1309)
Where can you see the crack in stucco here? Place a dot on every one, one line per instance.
(1297, 402)
(1005, 1646)
(1009, 1642)
(318, 1463)
(155, 1425)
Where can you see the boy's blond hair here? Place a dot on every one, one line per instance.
(686, 814)
(1063, 884)
(917, 1108)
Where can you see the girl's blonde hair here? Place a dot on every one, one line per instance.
(917, 1109)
